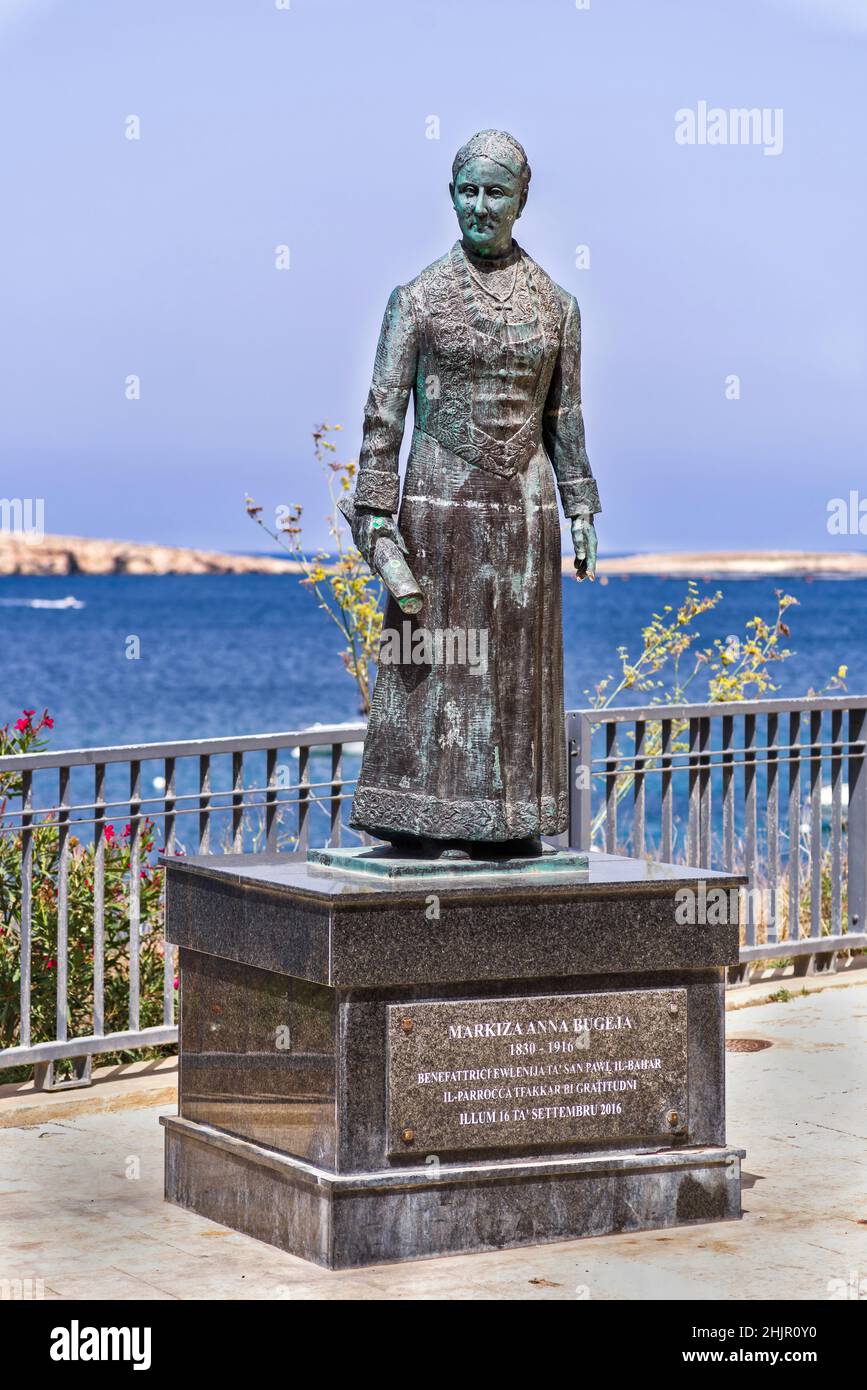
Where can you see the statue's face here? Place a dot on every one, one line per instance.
(488, 200)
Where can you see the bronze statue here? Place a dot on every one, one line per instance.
(466, 757)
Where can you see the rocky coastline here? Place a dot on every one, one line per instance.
(70, 555)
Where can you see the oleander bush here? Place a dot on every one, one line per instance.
(28, 735)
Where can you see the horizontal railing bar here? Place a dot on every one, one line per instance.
(618, 714)
(158, 807)
(676, 761)
(174, 798)
(88, 1046)
(185, 811)
(804, 750)
(203, 747)
(626, 761)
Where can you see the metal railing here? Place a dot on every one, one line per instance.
(281, 792)
(774, 788)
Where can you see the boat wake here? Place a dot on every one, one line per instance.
(68, 602)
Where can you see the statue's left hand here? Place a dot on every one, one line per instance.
(584, 541)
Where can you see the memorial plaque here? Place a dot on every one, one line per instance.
(544, 1070)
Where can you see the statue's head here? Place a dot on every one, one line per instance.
(490, 178)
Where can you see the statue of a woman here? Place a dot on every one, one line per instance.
(468, 756)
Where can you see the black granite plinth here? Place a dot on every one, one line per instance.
(298, 989)
(369, 1218)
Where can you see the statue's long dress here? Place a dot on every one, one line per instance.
(455, 752)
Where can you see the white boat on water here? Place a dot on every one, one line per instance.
(69, 602)
(827, 808)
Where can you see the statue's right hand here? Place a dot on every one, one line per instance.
(370, 527)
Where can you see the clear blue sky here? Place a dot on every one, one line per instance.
(262, 126)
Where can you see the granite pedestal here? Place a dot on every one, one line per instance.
(387, 1068)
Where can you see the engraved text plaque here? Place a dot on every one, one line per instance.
(537, 1071)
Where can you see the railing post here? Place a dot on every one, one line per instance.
(693, 824)
(303, 799)
(169, 802)
(750, 824)
(794, 824)
(611, 764)
(816, 823)
(705, 793)
(271, 820)
(99, 898)
(580, 765)
(638, 796)
(237, 802)
(204, 805)
(335, 804)
(836, 823)
(728, 791)
(667, 809)
(857, 822)
(61, 964)
(26, 903)
(773, 825)
(169, 805)
(134, 894)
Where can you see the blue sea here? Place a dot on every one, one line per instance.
(225, 654)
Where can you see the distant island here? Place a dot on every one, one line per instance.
(734, 564)
(65, 555)
(79, 555)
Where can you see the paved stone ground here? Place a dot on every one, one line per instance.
(81, 1201)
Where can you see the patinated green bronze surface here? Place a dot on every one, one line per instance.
(384, 861)
(465, 742)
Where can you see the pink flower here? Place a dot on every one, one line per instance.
(176, 982)
(22, 724)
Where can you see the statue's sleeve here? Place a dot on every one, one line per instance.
(394, 371)
(563, 423)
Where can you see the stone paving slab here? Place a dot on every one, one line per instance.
(81, 1205)
(124, 1086)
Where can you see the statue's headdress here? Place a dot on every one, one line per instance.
(499, 146)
